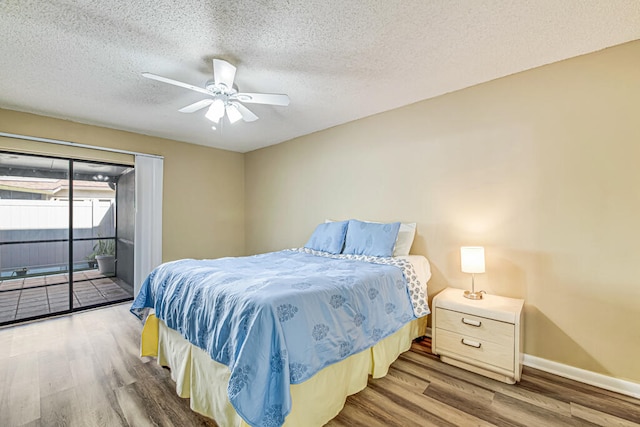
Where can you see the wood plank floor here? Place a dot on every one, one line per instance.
(84, 370)
(421, 390)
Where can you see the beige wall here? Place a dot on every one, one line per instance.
(203, 194)
(541, 168)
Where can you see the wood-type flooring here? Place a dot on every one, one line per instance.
(84, 370)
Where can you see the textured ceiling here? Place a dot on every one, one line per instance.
(337, 60)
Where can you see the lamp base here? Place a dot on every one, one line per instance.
(473, 295)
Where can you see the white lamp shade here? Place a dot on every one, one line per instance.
(233, 113)
(216, 110)
(472, 259)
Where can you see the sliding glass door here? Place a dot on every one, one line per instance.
(58, 234)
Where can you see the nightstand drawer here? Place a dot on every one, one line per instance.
(476, 327)
(473, 348)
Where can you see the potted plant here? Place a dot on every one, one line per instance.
(91, 260)
(21, 272)
(104, 251)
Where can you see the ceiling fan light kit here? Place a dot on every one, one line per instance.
(216, 110)
(233, 114)
(224, 98)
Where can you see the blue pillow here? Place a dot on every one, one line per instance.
(328, 237)
(370, 238)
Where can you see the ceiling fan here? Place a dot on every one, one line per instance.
(223, 96)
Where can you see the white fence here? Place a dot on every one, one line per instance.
(29, 220)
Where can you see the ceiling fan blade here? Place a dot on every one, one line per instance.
(175, 83)
(196, 106)
(223, 73)
(263, 98)
(247, 115)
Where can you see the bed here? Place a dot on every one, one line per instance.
(282, 338)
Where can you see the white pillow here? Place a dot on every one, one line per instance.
(406, 234)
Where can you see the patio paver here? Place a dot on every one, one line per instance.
(25, 298)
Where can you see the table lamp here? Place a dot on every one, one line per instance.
(472, 261)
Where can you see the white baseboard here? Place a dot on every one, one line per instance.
(592, 378)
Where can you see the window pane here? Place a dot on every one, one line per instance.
(34, 249)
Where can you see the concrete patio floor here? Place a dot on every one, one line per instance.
(24, 298)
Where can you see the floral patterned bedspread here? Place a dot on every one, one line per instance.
(278, 318)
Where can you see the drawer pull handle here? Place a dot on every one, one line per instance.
(471, 343)
(470, 322)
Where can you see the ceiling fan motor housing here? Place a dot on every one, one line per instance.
(220, 88)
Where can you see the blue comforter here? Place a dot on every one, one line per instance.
(278, 318)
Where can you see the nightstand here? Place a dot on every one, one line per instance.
(483, 336)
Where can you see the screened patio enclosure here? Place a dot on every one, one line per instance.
(66, 235)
